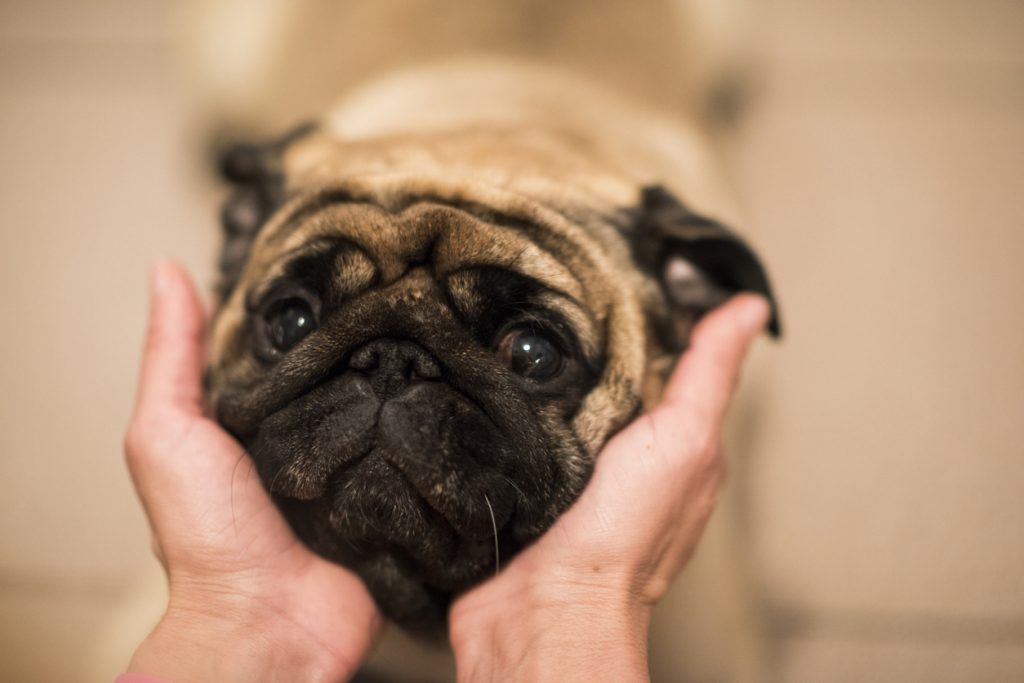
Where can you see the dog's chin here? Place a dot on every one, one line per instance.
(422, 478)
(375, 509)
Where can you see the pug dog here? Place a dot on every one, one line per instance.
(438, 302)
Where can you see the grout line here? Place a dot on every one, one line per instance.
(792, 621)
(86, 44)
(41, 584)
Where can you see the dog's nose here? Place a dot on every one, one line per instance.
(393, 364)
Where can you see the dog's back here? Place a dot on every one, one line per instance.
(262, 66)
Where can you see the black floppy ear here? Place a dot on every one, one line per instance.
(254, 169)
(698, 261)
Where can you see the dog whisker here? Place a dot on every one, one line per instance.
(494, 525)
(273, 482)
(508, 480)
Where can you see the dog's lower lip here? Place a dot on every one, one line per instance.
(502, 514)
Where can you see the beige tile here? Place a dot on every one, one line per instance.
(942, 31)
(51, 634)
(888, 458)
(815, 660)
(882, 174)
(95, 187)
(100, 21)
(805, 89)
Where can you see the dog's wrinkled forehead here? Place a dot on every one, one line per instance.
(352, 245)
(445, 238)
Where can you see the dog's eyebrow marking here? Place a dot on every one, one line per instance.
(579, 320)
(360, 272)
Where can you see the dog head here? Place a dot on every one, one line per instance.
(424, 370)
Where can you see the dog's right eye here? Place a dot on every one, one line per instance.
(529, 353)
(289, 321)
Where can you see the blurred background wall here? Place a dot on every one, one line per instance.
(878, 457)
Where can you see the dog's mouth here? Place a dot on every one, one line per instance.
(371, 509)
(376, 508)
(424, 476)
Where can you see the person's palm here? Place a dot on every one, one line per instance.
(606, 561)
(228, 552)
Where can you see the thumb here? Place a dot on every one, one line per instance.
(172, 360)
(703, 382)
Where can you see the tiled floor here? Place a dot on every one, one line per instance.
(881, 167)
(98, 180)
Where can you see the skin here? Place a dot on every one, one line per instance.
(249, 602)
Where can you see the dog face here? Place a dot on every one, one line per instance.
(423, 372)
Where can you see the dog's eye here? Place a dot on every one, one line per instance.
(528, 353)
(288, 322)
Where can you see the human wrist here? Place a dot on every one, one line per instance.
(228, 640)
(551, 630)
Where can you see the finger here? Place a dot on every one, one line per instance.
(172, 361)
(704, 380)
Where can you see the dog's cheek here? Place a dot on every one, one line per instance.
(550, 478)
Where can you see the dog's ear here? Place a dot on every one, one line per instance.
(255, 172)
(698, 262)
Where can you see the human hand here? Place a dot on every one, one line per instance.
(248, 601)
(576, 604)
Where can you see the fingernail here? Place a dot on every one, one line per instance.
(754, 314)
(161, 277)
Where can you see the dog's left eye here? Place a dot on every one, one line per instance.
(530, 354)
(288, 322)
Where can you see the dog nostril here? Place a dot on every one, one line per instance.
(425, 367)
(365, 358)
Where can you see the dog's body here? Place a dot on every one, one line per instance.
(707, 627)
(672, 54)
(442, 300)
